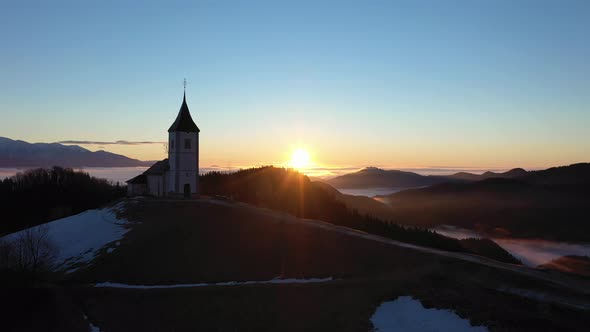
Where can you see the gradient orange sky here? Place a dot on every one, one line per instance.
(393, 84)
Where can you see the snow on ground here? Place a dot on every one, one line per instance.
(92, 327)
(80, 237)
(408, 314)
(226, 283)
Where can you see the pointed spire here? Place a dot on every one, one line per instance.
(184, 96)
(184, 122)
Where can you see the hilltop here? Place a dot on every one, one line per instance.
(291, 192)
(271, 250)
(249, 268)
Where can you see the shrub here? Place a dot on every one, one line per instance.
(29, 255)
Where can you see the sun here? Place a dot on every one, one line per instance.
(300, 159)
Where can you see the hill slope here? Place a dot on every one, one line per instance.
(363, 204)
(176, 242)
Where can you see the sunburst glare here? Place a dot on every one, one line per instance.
(300, 159)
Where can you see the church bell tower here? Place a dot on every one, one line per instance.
(183, 153)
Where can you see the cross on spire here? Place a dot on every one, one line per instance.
(185, 84)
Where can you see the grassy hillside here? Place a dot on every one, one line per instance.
(289, 191)
(208, 241)
(177, 241)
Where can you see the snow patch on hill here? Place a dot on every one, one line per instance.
(408, 314)
(80, 238)
(225, 283)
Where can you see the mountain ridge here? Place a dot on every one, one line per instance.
(373, 177)
(549, 204)
(18, 153)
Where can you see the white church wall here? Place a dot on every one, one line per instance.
(134, 189)
(156, 185)
(184, 161)
(172, 145)
(189, 178)
(170, 181)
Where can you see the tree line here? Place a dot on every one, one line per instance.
(289, 191)
(40, 195)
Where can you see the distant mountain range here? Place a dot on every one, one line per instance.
(16, 153)
(513, 173)
(550, 204)
(372, 177)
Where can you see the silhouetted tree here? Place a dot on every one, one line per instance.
(40, 195)
(28, 256)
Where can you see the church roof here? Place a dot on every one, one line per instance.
(158, 168)
(184, 122)
(140, 179)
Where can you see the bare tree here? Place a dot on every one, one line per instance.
(32, 250)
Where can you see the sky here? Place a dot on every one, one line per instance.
(395, 84)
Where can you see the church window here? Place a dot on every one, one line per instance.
(172, 144)
(187, 143)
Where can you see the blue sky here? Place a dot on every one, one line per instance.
(389, 83)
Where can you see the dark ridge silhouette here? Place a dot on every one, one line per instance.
(41, 195)
(363, 204)
(289, 191)
(372, 177)
(15, 153)
(575, 174)
(489, 248)
(550, 204)
(465, 176)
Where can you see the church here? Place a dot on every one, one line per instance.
(179, 174)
